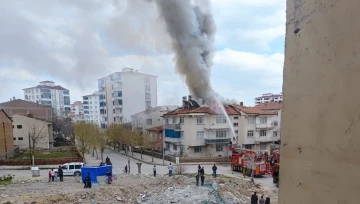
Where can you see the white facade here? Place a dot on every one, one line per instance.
(36, 128)
(47, 93)
(268, 97)
(150, 118)
(122, 94)
(91, 108)
(77, 111)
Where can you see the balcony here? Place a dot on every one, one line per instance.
(217, 140)
(217, 126)
(173, 126)
(172, 140)
(265, 125)
(266, 139)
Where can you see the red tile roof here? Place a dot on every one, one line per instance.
(252, 110)
(270, 106)
(156, 129)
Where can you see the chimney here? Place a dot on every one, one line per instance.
(30, 115)
(13, 98)
(241, 103)
(190, 97)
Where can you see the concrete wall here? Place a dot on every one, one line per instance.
(6, 136)
(320, 122)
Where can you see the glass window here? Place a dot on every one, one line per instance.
(220, 134)
(181, 120)
(263, 120)
(262, 133)
(174, 147)
(199, 120)
(236, 124)
(219, 148)
(275, 133)
(200, 135)
(197, 149)
(78, 166)
(147, 87)
(66, 92)
(19, 126)
(166, 121)
(220, 119)
(117, 85)
(117, 102)
(182, 134)
(251, 120)
(20, 138)
(250, 133)
(148, 104)
(117, 94)
(71, 166)
(147, 96)
(173, 120)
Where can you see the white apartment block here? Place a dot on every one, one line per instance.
(268, 97)
(47, 93)
(122, 94)
(77, 111)
(151, 117)
(92, 108)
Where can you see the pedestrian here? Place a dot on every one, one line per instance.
(262, 201)
(267, 200)
(214, 168)
(87, 181)
(170, 168)
(107, 161)
(56, 175)
(244, 171)
(108, 176)
(125, 170)
(254, 198)
(61, 174)
(52, 175)
(154, 170)
(49, 175)
(202, 174)
(197, 178)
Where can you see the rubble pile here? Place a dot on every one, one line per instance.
(143, 189)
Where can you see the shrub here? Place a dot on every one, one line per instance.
(6, 179)
(180, 169)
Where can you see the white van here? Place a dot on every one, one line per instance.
(72, 169)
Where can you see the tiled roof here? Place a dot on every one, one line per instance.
(229, 110)
(270, 106)
(49, 87)
(252, 110)
(156, 129)
(22, 103)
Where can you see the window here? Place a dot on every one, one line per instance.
(147, 80)
(200, 135)
(220, 119)
(251, 120)
(197, 149)
(250, 133)
(148, 104)
(248, 146)
(148, 121)
(174, 147)
(181, 120)
(147, 96)
(236, 124)
(262, 133)
(262, 146)
(19, 126)
(77, 166)
(167, 121)
(14, 138)
(147, 88)
(275, 133)
(117, 102)
(235, 118)
(167, 146)
(117, 85)
(236, 131)
(115, 76)
(64, 92)
(20, 138)
(219, 148)
(71, 166)
(182, 134)
(174, 120)
(117, 94)
(200, 120)
(263, 120)
(220, 134)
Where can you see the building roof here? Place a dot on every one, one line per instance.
(252, 110)
(49, 87)
(207, 110)
(154, 109)
(270, 106)
(19, 103)
(30, 116)
(2, 110)
(269, 96)
(156, 129)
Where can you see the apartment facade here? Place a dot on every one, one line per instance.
(151, 117)
(28, 126)
(77, 111)
(268, 97)
(6, 136)
(18, 106)
(47, 93)
(157, 137)
(122, 94)
(92, 108)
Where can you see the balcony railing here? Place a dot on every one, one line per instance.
(264, 125)
(217, 126)
(217, 141)
(266, 139)
(173, 126)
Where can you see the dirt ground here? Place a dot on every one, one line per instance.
(132, 189)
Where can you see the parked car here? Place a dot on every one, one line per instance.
(72, 169)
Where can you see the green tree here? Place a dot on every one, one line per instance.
(84, 137)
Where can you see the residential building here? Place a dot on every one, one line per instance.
(257, 129)
(156, 133)
(122, 94)
(77, 111)
(47, 93)
(197, 131)
(151, 117)
(6, 136)
(27, 126)
(18, 106)
(91, 108)
(268, 97)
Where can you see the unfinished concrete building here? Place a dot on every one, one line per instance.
(320, 150)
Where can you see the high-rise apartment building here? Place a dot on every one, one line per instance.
(77, 111)
(47, 93)
(91, 108)
(268, 97)
(122, 94)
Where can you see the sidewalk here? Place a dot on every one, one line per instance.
(145, 158)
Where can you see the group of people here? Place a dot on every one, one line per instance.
(262, 200)
(53, 175)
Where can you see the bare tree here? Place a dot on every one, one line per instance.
(63, 128)
(150, 141)
(37, 131)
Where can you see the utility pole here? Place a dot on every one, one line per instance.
(30, 151)
(5, 140)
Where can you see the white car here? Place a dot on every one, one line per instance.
(71, 169)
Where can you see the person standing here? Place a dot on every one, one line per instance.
(202, 174)
(262, 201)
(267, 200)
(125, 170)
(197, 179)
(52, 175)
(254, 198)
(170, 168)
(49, 175)
(154, 170)
(61, 173)
(214, 168)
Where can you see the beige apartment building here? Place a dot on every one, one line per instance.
(28, 126)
